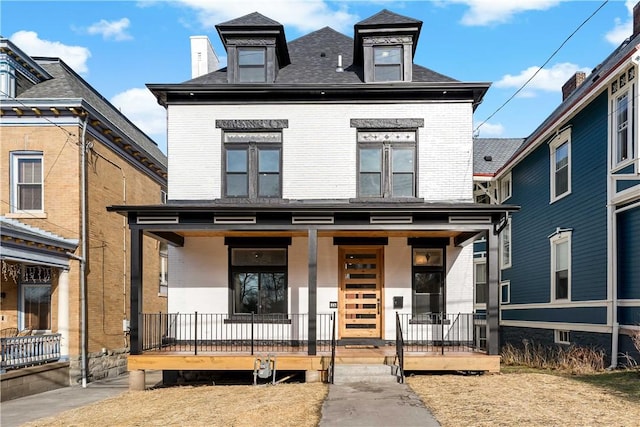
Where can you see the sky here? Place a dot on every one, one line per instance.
(120, 46)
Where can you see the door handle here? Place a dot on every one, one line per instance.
(378, 305)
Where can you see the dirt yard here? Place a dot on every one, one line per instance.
(509, 399)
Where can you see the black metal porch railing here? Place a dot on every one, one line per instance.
(399, 348)
(332, 365)
(19, 352)
(437, 332)
(250, 333)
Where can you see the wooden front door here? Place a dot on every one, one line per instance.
(360, 300)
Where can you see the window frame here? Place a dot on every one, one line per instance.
(241, 67)
(562, 336)
(478, 262)
(252, 147)
(16, 158)
(506, 193)
(45, 281)
(560, 237)
(564, 137)
(506, 284)
(436, 267)
(506, 246)
(383, 65)
(163, 285)
(267, 268)
(382, 139)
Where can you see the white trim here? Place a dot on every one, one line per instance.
(582, 327)
(560, 237)
(507, 284)
(629, 302)
(631, 123)
(563, 137)
(562, 336)
(568, 304)
(506, 180)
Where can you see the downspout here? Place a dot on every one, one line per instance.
(83, 260)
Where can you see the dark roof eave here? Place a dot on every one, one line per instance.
(185, 93)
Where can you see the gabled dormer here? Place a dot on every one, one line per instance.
(256, 48)
(384, 46)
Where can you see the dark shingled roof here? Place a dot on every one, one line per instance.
(67, 84)
(253, 19)
(498, 150)
(386, 17)
(309, 66)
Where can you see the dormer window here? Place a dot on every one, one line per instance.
(387, 63)
(252, 65)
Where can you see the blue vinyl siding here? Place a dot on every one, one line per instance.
(479, 247)
(592, 315)
(629, 316)
(584, 211)
(626, 184)
(630, 169)
(628, 249)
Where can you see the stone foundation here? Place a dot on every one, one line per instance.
(100, 365)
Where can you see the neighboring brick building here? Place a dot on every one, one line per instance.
(48, 114)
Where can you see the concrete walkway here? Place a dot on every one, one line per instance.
(353, 404)
(30, 408)
(374, 404)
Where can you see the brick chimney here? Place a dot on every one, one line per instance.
(572, 84)
(636, 19)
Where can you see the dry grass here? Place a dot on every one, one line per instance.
(523, 399)
(280, 405)
(572, 359)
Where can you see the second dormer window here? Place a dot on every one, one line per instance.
(387, 62)
(252, 65)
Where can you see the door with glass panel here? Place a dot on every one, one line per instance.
(359, 302)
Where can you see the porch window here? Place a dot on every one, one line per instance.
(259, 280)
(35, 286)
(428, 282)
(253, 164)
(164, 269)
(386, 164)
(27, 182)
(481, 281)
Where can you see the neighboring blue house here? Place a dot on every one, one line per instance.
(570, 258)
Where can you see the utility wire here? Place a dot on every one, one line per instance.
(539, 69)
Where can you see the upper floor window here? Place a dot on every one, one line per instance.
(386, 164)
(505, 246)
(505, 188)
(27, 185)
(252, 65)
(622, 116)
(561, 265)
(253, 164)
(387, 63)
(560, 149)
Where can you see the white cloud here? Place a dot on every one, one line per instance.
(142, 108)
(621, 29)
(116, 30)
(547, 79)
(489, 129)
(488, 12)
(305, 16)
(75, 56)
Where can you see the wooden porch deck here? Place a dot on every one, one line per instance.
(300, 361)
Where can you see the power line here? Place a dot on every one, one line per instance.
(539, 69)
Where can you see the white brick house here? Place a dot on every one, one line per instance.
(326, 175)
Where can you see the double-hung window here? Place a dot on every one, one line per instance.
(387, 63)
(505, 246)
(259, 280)
(27, 181)
(561, 265)
(428, 282)
(253, 164)
(252, 65)
(622, 116)
(560, 149)
(480, 279)
(386, 164)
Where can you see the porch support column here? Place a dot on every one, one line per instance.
(136, 292)
(313, 289)
(63, 313)
(493, 300)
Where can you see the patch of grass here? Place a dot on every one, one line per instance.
(625, 382)
(573, 359)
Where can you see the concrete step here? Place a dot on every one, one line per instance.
(356, 373)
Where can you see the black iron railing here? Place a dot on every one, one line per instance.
(399, 348)
(332, 365)
(437, 332)
(19, 352)
(250, 333)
